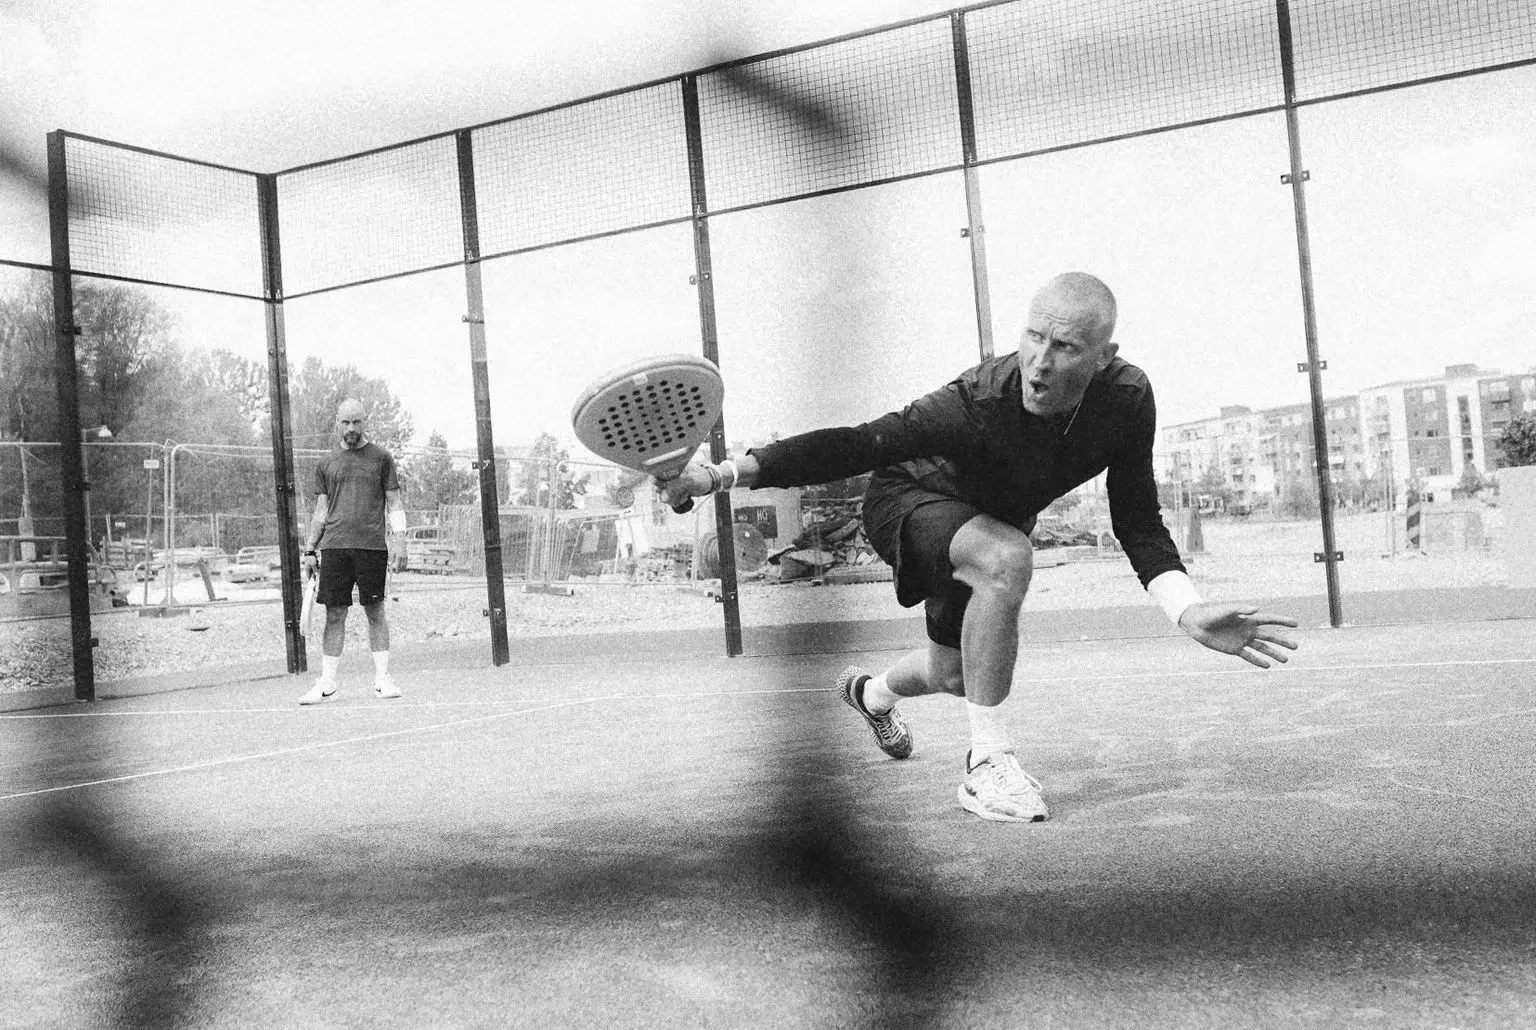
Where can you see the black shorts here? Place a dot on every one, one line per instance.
(342, 568)
(918, 554)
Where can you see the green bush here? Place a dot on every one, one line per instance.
(1517, 444)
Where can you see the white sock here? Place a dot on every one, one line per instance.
(329, 666)
(989, 731)
(380, 664)
(877, 697)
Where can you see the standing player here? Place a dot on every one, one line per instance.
(355, 492)
(959, 478)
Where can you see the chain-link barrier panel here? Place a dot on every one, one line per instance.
(851, 113)
(362, 218)
(1343, 46)
(602, 166)
(1061, 73)
(162, 219)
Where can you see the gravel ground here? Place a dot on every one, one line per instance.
(1244, 560)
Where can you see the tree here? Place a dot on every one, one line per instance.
(1517, 443)
(243, 379)
(533, 476)
(124, 336)
(28, 390)
(225, 465)
(316, 390)
(1064, 504)
(1471, 482)
(1298, 498)
(1214, 485)
(433, 479)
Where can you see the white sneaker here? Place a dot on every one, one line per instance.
(998, 790)
(323, 690)
(384, 688)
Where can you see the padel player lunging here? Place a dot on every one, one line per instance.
(357, 509)
(959, 477)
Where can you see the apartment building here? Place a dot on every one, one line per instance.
(1425, 430)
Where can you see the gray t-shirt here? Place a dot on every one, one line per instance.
(354, 483)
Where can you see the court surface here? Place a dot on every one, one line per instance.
(605, 836)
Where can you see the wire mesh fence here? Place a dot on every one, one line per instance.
(607, 165)
(1060, 74)
(151, 217)
(871, 109)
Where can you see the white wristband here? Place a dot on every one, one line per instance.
(397, 521)
(1173, 592)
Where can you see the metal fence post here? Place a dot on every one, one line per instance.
(71, 462)
(490, 509)
(704, 277)
(285, 497)
(975, 230)
(1296, 178)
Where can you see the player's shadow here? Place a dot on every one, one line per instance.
(153, 925)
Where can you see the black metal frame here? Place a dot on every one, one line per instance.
(283, 479)
(71, 461)
(273, 298)
(1296, 179)
(490, 512)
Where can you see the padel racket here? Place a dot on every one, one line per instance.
(651, 415)
(306, 616)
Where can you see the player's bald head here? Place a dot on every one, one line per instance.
(1085, 296)
(350, 411)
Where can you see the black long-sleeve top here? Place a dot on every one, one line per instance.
(973, 440)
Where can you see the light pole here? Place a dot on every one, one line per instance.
(87, 435)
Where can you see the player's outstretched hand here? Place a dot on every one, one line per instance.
(1240, 629)
(693, 481)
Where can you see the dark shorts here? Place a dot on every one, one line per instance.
(342, 568)
(916, 547)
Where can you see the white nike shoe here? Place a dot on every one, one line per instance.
(323, 690)
(384, 688)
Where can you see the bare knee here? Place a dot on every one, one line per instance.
(999, 566)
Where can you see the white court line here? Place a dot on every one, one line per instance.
(292, 750)
(1235, 670)
(339, 709)
(628, 697)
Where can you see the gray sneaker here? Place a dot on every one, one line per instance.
(996, 789)
(890, 728)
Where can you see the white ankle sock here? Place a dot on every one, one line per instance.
(877, 697)
(989, 730)
(381, 664)
(329, 666)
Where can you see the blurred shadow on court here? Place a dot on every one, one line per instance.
(158, 925)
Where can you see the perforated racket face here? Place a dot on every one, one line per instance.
(650, 416)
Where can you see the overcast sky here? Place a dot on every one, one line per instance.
(1422, 202)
